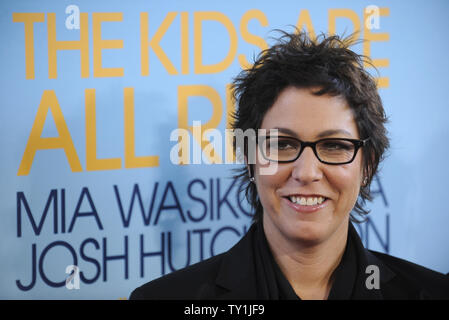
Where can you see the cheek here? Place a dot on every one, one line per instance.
(268, 184)
(346, 183)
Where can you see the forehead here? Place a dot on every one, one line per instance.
(309, 115)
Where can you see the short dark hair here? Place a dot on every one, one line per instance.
(328, 64)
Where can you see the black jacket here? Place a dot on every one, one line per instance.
(232, 276)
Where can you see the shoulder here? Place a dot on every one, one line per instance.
(415, 279)
(228, 274)
(192, 282)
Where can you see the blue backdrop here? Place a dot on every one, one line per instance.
(92, 91)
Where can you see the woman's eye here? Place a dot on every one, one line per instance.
(282, 145)
(336, 146)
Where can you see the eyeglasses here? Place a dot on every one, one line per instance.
(332, 151)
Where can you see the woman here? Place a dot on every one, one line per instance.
(325, 134)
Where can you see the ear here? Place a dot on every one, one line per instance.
(367, 174)
(364, 181)
(250, 169)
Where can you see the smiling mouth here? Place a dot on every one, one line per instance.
(306, 201)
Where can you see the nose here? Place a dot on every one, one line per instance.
(307, 168)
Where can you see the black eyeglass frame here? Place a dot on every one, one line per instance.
(303, 144)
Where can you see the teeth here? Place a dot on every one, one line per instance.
(307, 201)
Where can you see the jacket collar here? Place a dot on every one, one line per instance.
(237, 271)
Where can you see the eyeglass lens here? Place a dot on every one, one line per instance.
(328, 150)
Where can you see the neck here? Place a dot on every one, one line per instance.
(309, 266)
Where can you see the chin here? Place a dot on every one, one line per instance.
(307, 231)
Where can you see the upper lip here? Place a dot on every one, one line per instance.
(305, 195)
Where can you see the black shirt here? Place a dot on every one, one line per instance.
(272, 278)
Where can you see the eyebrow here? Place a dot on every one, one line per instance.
(322, 134)
(332, 132)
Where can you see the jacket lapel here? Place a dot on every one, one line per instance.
(237, 271)
(369, 266)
